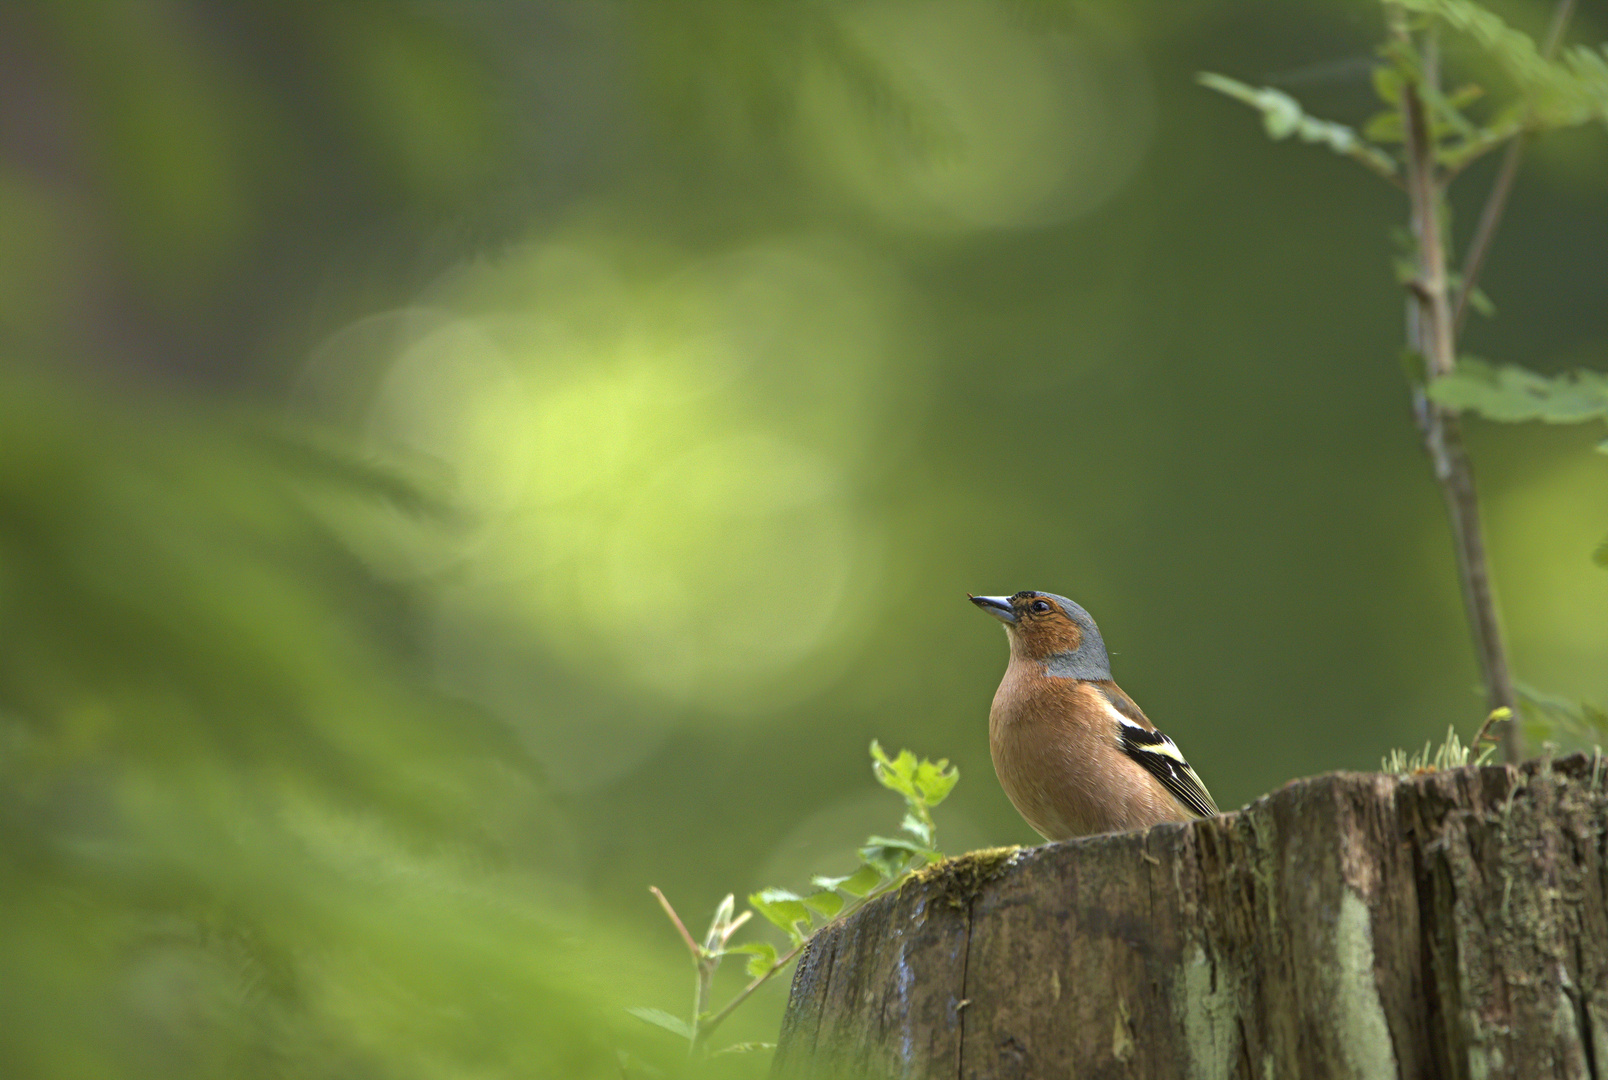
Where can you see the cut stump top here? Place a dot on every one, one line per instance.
(1352, 925)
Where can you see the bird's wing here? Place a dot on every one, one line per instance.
(1160, 757)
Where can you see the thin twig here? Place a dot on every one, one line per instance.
(692, 946)
(782, 961)
(1431, 331)
(1502, 186)
(758, 981)
(733, 926)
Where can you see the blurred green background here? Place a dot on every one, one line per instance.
(461, 464)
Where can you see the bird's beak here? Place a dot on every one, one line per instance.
(997, 606)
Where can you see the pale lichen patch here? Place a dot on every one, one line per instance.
(1209, 1006)
(1122, 1045)
(1359, 1014)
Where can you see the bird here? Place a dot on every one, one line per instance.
(1073, 752)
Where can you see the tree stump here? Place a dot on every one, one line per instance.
(1449, 925)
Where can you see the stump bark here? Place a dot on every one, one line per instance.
(1451, 925)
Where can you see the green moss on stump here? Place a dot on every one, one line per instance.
(957, 881)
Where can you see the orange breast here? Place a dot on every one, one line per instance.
(1055, 750)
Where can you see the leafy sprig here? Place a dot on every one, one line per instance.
(885, 863)
(1421, 141)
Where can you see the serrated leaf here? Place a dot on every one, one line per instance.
(862, 880)
(895, 774)
(1570, 90)
(660, 1018)
(1513, 394)
(821, 881)
(784, 909)
(886, 861)
(826, 903)
(891, 854)
(935, 780)
(761, 956)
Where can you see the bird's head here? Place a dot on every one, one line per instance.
(1052, 630)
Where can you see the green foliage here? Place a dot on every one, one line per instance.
(884, 864)
(1551, 94)
(1438, 138)
(1282, 116)
(1513, 394)
(659, 1018)
(235, 836)
(1559, 93)
(1558, 720)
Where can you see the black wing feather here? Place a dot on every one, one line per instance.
(1160, 757)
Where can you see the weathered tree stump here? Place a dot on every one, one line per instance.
(1351, 925)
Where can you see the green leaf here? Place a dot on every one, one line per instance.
(761, 956)
(895, 774)
(934, 781)
(746, 1047)
(917, 828)
(891, 855)
(718, 925)
(1551, 715)
(1476, 299)
(860, 882)
(660, 1018)
(1480, 302)
(1513, 394)
(1282, 117)
(785, 909)
(1570, 90)
(898, 843)
(888, 862)
(1388, 83)
(1385, 127)
(826, 903)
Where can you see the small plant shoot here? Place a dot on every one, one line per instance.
(885, 863)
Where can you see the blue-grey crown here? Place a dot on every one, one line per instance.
(1089, 660)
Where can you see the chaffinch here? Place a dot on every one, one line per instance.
(1072, 751)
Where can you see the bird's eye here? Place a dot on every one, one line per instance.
(1041, 605)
